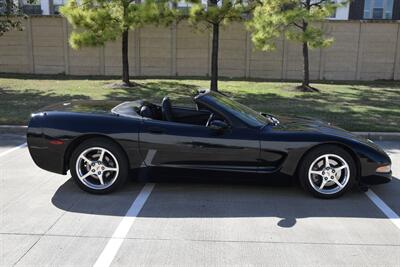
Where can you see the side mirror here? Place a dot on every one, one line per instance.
(218, 125)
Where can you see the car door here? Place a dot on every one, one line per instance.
(165, 143)
(231, 149)
(171, 144)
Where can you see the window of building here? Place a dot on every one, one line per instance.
(378, 9)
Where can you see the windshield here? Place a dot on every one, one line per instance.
(244, 113)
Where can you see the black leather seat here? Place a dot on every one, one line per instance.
(146, 111)
(166, 109)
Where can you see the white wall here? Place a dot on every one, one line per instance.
(342, 13)
(45, 4)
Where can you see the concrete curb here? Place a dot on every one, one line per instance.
(380, 136)
(376, 136)
(13, 129)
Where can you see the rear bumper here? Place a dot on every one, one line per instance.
(378, 178)
(47, 159)
(45, 156)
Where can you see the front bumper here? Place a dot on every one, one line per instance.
(378, 178)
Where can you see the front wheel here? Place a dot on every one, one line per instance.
(98, 166)
(327, 172)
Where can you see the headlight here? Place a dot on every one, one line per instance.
(384, 169)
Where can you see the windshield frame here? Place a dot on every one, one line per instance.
(239, 115)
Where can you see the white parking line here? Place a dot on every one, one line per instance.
(13, 149)
(393, 217)
(113, 245)
(149, 158)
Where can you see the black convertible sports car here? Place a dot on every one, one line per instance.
(99, 142)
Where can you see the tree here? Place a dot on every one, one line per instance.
(97, 21)
(11, 17)
(215, 14)
(295, 19)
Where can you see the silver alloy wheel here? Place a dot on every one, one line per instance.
(329, 174)
(97, 168)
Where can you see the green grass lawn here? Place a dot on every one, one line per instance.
(353, 106)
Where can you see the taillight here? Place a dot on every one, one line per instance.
(56, 142)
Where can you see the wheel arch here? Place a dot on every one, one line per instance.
(341, 145)
(79, 140)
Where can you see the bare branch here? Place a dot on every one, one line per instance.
(319, 3)
(298, 25)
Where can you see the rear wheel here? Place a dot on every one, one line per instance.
(98, 166)
(327, 172)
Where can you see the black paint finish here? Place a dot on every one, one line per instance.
(247, 146)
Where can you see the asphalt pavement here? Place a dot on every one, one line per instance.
(48, 221)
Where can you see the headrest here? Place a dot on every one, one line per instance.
(146, 111)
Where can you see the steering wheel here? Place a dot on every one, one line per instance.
(210, 119)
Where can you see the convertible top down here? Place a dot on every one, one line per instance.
(99, 141)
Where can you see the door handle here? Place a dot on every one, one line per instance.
(155, 130)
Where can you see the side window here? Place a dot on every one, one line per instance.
(192, 115)
(215, 116)
(200, 116)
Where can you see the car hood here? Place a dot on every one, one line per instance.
(304, 124)
(298, 123)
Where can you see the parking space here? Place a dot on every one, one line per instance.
(47, 220)
(8, 142)
(390, 193)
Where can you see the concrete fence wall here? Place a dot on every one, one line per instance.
(361, 51)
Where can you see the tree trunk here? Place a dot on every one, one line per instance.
(306, 78)
(214, 57)
(125, 61)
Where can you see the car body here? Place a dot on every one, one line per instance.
(235, 139)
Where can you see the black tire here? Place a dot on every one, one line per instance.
(118, 154)
(311, 157)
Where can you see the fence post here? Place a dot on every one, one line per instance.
(136, 52)
(102, 66)
(359, 54)
(248, 55)
(284, 58)
(66, 48)
(322, 57)
(396, 68)
(173, 50)
(321, 64)
(29, 44)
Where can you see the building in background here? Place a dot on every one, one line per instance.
(375, 10)
(341, 13)
(353, 10)
(51, 7)
(31, 7)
